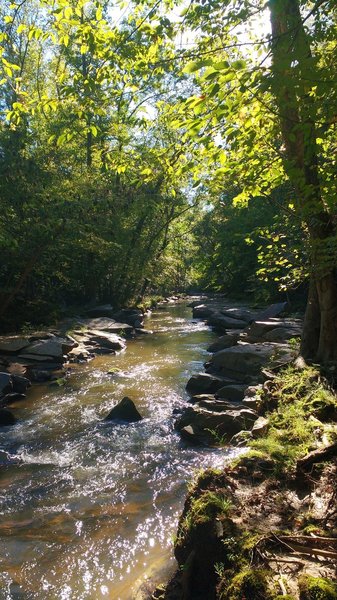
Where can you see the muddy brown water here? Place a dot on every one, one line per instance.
(91, 508)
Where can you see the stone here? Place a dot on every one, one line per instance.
(103, 324)
(234, 393)
(6, 383)
(194, 436)
(80, 353)
(260, 427)
(201, 397)
(204, 382)
(225, 341)
(33, 358)
(253, 402)
(239, 313)
(241, 439)
(54, 347)
(218, 405)
(274, 310)
(40, 376)
(220, 321)
(125, 411)
(132, 316)
(242, 362)
(10, 398)
(202, 311)
(282, 334)
(7, 417)
(20, 384)
(105, 339)
(13, 344)
(222, 425)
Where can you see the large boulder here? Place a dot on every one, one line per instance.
(204, 383)
(124, 411)
(215, 426)
(243, 362)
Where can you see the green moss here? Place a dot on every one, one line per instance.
(300, 397)
(316, 588)
(249, 584)
(286, 597)
(205, 508)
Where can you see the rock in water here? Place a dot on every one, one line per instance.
(6, 417)
(125, 411)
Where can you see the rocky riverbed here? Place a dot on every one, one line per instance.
(46, 356)
(265, 527)
(226, 398)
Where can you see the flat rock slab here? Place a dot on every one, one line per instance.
(54, 347)
(223, 322)
(13, 344)
(108, 340)
(104, 324)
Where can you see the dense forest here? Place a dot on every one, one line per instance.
(154, 147)
(150, 151)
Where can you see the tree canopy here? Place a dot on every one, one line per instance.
(164, 145)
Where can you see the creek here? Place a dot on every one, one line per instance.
(89, 509)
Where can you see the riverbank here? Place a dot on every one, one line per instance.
(47, 356)
(265, 527)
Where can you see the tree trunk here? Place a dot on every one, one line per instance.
(290, 53)
(311, 326)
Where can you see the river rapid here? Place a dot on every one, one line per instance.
(90, 509)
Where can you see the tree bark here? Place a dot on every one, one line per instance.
(290, 52)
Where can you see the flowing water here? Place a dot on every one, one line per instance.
(90, 509)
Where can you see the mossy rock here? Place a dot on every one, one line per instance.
(249, 584)
(316, 588)
(286, 597)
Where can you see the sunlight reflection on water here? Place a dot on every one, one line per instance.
(93, 506)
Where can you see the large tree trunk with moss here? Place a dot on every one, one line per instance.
(291, 55)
